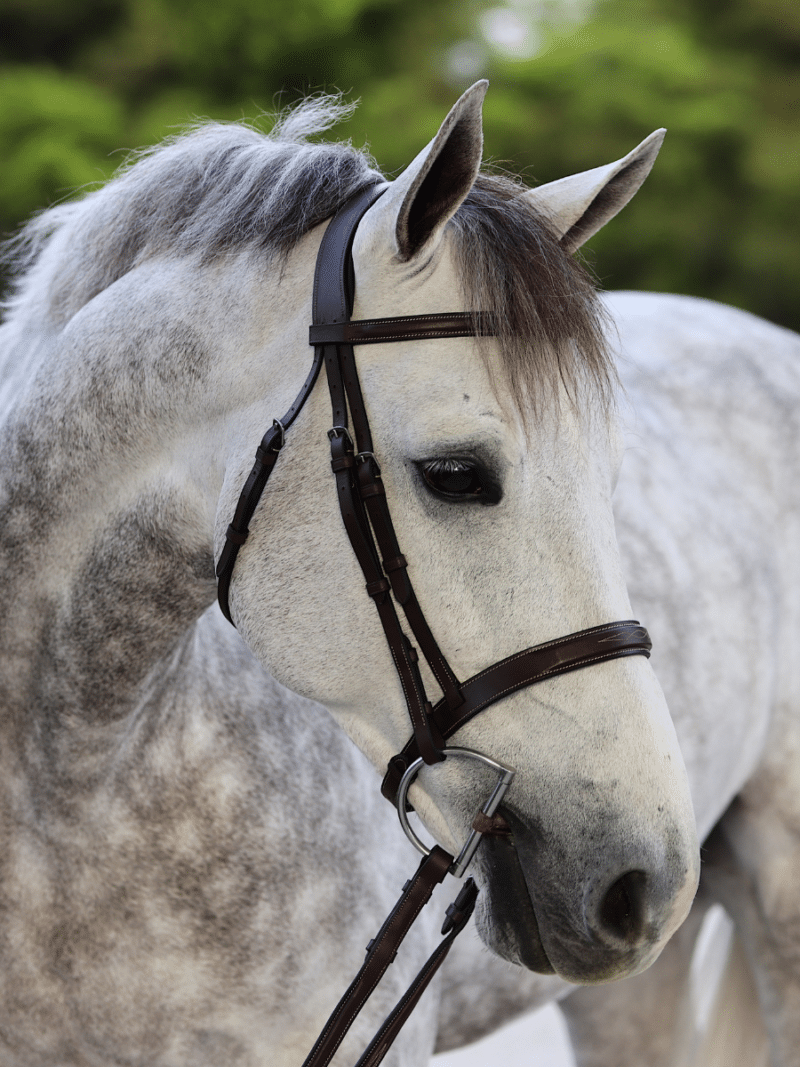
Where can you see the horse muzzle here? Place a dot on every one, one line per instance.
(589, 918)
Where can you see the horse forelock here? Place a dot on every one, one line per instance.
(551, 325)
(221, 188)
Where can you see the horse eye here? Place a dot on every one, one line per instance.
(455, 479)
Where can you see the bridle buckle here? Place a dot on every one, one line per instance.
(464, 858)
(340, 431)
(278, 425)
(362, 457)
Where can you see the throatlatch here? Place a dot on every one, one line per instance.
(366, 518)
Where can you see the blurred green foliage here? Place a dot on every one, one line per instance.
(719, 217)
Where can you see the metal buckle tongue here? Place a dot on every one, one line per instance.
(463, 859)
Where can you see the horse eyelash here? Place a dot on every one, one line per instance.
(490, 490)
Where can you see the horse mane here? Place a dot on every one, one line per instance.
(221, 187)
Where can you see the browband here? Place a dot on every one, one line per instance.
(405, 328)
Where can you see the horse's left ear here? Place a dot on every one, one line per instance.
(417, 205)
(578, 206)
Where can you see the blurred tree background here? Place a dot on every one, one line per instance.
(575, 83)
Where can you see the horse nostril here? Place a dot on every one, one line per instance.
(622, 911)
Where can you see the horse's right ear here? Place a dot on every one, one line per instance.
(414, 210)
(578, 206)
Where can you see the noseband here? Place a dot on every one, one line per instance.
(365, 513)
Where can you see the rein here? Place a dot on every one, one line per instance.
(365, 514)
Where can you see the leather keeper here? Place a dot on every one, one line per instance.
(236, 537)
(267, 456)
(459, 912)
(396, 564)
(343, 463)
(373, 489)
(434, 733)
(378, 587)
(271, 444)
(429, 739)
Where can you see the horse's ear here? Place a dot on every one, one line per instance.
(418, 204)
(578, 206)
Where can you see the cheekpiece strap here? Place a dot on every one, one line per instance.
(360, 490)
(271, 444)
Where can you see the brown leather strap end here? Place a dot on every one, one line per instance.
(491, 825)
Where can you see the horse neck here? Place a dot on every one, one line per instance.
(113, 454)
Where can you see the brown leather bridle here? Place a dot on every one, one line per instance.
(366, 517)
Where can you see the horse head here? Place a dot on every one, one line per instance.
(499, 456)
